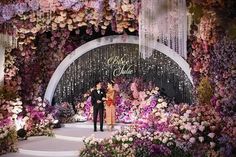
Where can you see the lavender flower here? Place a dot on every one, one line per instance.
(21, 8)
(8, 11)
(67, 3)
(33, 4)
(78, 6)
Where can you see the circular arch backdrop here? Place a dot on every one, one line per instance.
(115, 39)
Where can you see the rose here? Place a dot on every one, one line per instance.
(212, 144)
(165, 140)
(192, 140)
(193, 131)
(130, 139)
(201, 128)
(201, 139)
(126, 145)
(211, 135)
(186, 136)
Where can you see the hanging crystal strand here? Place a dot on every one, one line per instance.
(184, 28)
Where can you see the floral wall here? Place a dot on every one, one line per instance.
(45, 37)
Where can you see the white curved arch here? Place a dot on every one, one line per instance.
(114, 39)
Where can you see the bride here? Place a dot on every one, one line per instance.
(110, 106)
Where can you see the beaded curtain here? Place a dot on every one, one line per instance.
(163, 21)
(122, 60)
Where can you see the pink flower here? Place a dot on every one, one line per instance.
(33, 4)
(186, 136)
(212, 144)
(201, 128)
(211, 135)
(192, 140)
(193, 131)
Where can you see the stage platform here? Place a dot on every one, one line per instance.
(66, 142)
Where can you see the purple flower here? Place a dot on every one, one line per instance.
(5, 122)
(21, 8)
(1, 18)
(33, 4)
(8, 11)
(67, 3)
(78, 6)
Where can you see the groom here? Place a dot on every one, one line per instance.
(98, 96)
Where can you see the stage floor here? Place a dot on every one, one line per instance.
(67, 142)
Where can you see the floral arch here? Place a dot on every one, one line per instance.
(107, 41)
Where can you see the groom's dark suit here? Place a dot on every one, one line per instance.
(98, 107)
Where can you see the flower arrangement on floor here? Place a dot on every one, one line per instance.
(194, 130)
(180, 130)
(40, 118)
(132, 143)
(8, 137)
(65, 113)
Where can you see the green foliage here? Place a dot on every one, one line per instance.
(9, 143)
(204, 91)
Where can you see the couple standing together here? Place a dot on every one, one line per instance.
(101, 100)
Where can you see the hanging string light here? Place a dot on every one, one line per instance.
(164, 21)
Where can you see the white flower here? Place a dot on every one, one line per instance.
(130, 139)
(139, 135)
(169, 144)
(211, 135)
(164, 104)
(39, 99)
(186, 115)
(192, 140)
(201, 128)
(186, 136)
(201, 139)
(110, 141)
(82, 105)
(14, 116)
(165, 140)
(163, 120)
(19, 102)
(155, 137)
(193, 131)
(188, 111)
(181, 127)
(123, 139)
(212, 144)
(44, 104)
(188, 126)
(196, 123)
(86, 140)
(160, 100)
(126, 145)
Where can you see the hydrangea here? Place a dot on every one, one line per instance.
(21, 8)
(33, 4)
(8, 11)
(78, 6)
(67, 3)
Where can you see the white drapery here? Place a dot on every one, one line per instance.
(163, 21)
